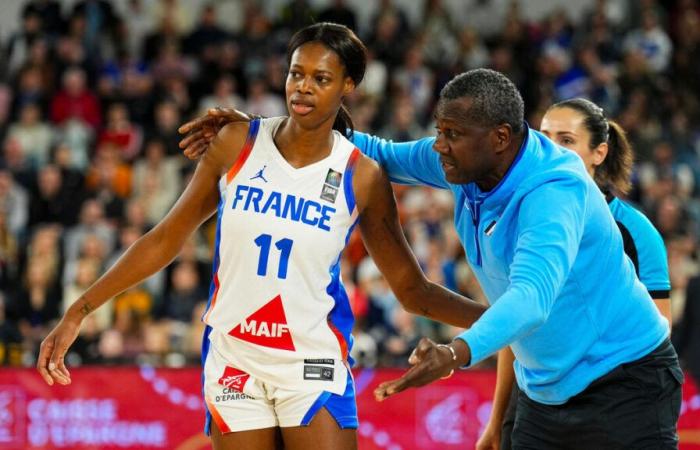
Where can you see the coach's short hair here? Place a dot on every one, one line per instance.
(495, 99)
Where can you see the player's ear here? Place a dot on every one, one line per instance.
(348, 86)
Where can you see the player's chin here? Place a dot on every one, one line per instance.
(308, 121)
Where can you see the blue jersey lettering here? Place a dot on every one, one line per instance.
(285, 206)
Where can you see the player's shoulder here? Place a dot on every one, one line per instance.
(228, 144)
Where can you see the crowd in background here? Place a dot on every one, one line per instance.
(91, 96)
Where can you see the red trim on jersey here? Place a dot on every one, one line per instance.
(217, 418)
(341, 340)
(245, 151)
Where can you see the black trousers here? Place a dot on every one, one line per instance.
(635, 406)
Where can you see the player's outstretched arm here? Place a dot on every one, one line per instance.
(150, 253)
(387, 245)
(385, 241)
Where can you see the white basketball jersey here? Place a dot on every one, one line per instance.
(277, 306)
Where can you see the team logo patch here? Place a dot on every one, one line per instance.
(266, 327)
(329, 192)
(234, 379)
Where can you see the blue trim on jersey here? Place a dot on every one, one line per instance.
(347, 181)
(651, 252)
(216, 261)
(318, 404)
(205, 353)
(343, 408)
(341, 315)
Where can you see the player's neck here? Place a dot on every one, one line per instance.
(301, 147)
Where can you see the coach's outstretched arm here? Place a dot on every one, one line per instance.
(547, 244)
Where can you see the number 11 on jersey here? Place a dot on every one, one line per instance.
(264, 241)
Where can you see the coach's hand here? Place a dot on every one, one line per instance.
(53, 350)
(430, 362)
(203, 129)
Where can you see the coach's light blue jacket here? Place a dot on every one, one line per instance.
(550, 259)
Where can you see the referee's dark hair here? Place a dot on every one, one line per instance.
(495, 99)
(615, 171)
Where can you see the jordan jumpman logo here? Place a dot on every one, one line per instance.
(260, 174)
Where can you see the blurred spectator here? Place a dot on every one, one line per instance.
(100, 22)
(68, 161)
(223, 95)
(472, 51)
(686, 337)
(399, 345)
(207, 34)
(10, 337)
(93, 248)
(415, 80)
(109, 180)
(184, 295)
(387, 41)
(664, 166)
(138, 22)
(375, 81)
(50, 202)
(14, 205)
(92, 223)
(50, 13)
(9, 257)
(156, 180)
(37, 302)
(20, 42)
(121, 132)
(338, 12)
(403, 125)
(651, 41)
(167, 120)
(75, 102)
(179, 12)
(34, 136)
(127, 78)
(87, 270)
(297, 14)
(30, 88)
(262, 102)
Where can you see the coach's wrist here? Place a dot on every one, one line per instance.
(462, 351)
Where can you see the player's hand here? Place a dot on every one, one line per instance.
(53, 350)
(491, 438)
(430, 362)
(202, 130)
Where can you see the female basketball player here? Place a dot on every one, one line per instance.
(288, 192)
(580, 125)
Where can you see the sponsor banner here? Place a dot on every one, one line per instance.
(145, 408)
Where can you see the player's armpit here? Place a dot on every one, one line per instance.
(388, 247)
